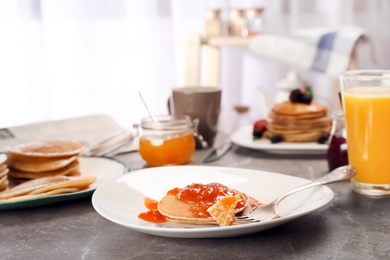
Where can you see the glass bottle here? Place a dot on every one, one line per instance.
(337, 143)
(212, 24)
(236, 24)
(169, 140)
(254, 20)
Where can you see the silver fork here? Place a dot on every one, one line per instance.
(270, 211)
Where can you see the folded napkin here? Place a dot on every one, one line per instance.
(320, 49)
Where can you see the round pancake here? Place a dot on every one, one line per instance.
(299, 109)
(48, 148)
(25, 176)
(47, 184)
(3, 183)
(40, 195)
(298, 116)
(65, 171)
(3, 167)
(291, 120)
(3, 158)
(297, 129)
(4, 172)
(38, 164)
(302, 137)
(79, 182)
(176, 210)
(74, 173)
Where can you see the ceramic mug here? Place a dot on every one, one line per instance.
(203, 103)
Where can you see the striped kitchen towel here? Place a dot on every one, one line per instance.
(320, 49)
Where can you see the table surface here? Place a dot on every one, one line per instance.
(350, 227)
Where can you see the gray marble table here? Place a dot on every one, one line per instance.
(350, 227)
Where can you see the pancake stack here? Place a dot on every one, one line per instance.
(40, 159)
(3, 172)
(298, 122)
(46, 186)
(43, 168)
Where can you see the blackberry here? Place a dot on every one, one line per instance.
(306, 99)
(296, 96)
(322, 139)
(276, 139)
(301, 95)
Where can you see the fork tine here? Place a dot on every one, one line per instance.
(247, 221)
(243, 217)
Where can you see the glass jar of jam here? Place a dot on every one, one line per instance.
(337, 143)
(169, 140)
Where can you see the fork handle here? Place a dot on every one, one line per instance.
(338, 174)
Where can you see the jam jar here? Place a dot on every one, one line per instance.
(337, 143)
(167, 140)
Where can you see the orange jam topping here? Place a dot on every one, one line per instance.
(177, 150)
(153, 215)
(151, 204)
(203, 196)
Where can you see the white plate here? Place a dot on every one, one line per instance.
(243, 137)
(103, 168)
(121, 200)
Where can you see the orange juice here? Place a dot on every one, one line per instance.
(367, 115)
(157, 151)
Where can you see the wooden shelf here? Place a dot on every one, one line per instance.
(202, 51)
(228, 41)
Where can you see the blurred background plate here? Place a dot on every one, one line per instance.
(104, 168)
(243, 137)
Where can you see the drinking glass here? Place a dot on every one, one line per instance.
(366, 102)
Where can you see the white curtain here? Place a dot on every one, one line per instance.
(68, 58)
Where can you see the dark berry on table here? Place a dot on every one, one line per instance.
(276, 139)
(322, 139)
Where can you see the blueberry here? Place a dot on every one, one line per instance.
(257, 133)
(323, 139)
(276, 139)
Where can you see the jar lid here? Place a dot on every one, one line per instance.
(167, 122)
(292, 81)
(338, 114)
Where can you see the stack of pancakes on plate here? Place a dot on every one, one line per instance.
(298, 122)
(3, 172)
(39, 159)
(44, 168)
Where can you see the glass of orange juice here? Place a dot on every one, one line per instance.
(167, 140)
(366, 101)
